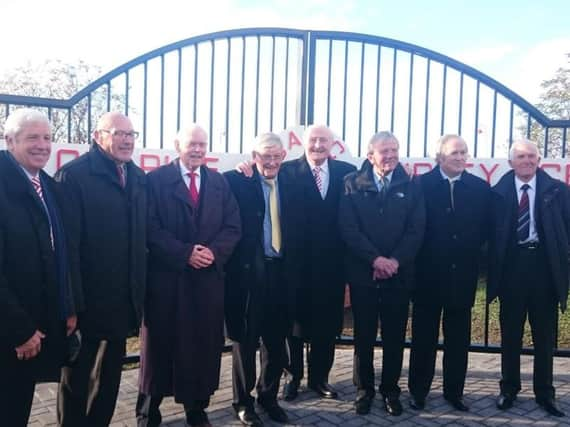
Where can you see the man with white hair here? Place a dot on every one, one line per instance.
(193, 227)
(528, 269)
(36, 300)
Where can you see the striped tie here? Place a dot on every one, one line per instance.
(274, 216)
(38, 187)
(318, 179)
(523, 228)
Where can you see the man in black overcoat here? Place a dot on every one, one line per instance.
(457, 223)
(105, 207)
(36, 299)
(528, 269)
(381, 219)
(261, 276)
(318, 183)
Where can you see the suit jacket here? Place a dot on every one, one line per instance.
(447, 265)
(33, 293)
(320, 293)
(182, 334)
(372, 227)
(107, 233)
(552, 217)
(246, 268)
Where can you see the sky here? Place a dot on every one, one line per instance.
(519, 43)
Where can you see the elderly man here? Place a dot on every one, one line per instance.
(528, 269)
(106, 211)
(318, 181)
(36, 301)
(457, 223)
(262, 274)
(381, 219)
(193, 227)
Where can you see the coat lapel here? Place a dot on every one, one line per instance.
(174, 179)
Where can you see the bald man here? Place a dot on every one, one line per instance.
(106, 211)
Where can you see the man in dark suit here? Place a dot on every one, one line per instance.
(261, 276)
(193, 227)
(36, 299)
(457, 223)
(381, 219)
(528, 269)
(318, 183)
(106, 211)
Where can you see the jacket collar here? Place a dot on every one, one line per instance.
(506, 185)
(365, 181)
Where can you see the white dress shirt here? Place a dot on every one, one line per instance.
(184, 171)
(325, 176)
(532, 235)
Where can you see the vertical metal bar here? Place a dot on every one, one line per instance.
(460, 119)
(213, 44)
(162, 101)
(145, 95)
(443, 93)
(257, 85)
(108, 96)
(227, 127)
(89, 124)
(329, 77)
(308, 84)
(511, 124)
(286, 83)
(50, 110)
(426, 112)
(528, 126)
(494, 130)
(194, 112)
(272, 90)
(393, 90)
(361, 99)
(476, 136)
(344, 90)
(242, 95)
(179, 89)
(378, 64)
(127, 89)
(546, 135)
(68, 124)
(410, 103)
(564, 135)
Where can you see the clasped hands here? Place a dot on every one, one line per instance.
(32, 347)
(384, 268)
(201, 257)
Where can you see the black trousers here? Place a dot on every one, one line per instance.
(267, 319)
(88, 390)
(148, 410)
(17, 381)
(391, 306)
(456, 338)
(320, 358)
(528, 291)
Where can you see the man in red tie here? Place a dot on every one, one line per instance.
(528, 269)
(194, 225)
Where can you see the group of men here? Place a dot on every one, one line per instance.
(267, 248)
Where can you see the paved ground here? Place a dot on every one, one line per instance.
(480, 391)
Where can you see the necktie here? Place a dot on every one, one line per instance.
(523, 228)
(38, 187)
(318, 179)
(121, 173)
(194, 196)
(274, 215)
(383, 182)
(451, 186)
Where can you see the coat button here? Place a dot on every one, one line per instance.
(381, 211)
(453, 266)
(454, 237)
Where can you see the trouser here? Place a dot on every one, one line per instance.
(17, 380)
(88, 389)
(529, 291)
(391, 306)
(456, 339)
(148, 410)
(320, 358)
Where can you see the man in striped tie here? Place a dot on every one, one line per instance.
(36, 301)
(528, 269)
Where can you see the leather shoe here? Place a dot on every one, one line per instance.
(417, 403)
(392, 406)
(363, 405)
(248, 417)
(324, 390)
(275, 412)
(505, 401)
(197, 418)
(290, 390)
(458, 404)
(549, 406)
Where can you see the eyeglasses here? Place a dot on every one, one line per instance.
(121, 133)
(270, 158)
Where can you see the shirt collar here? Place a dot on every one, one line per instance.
(324, 167)
(184, 171)
(519, 183)
(444, 176)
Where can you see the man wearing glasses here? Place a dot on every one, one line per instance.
(106, 209)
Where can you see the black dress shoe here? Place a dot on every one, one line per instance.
(290, 390)
(457, 403)
(393, 406)
(275, 412)
(417, 403)
(363, 405)
(549, 406)
(505, 401)
(248, 417)
(324, 390)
